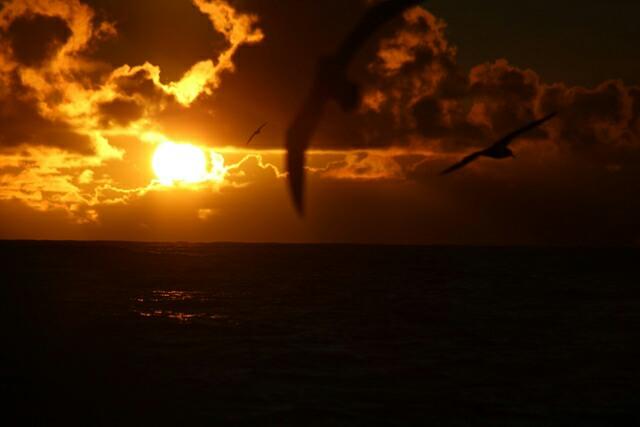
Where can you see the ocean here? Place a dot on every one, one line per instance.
(116, 333)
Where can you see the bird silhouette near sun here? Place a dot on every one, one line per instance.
(500, 149)
(256, 133)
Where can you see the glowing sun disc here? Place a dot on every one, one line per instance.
(179, 163)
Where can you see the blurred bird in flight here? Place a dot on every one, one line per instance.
(332, 83)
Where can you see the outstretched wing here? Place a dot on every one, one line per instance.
(299, 134)
(462, 163)
(504, 142)
(298, 138)
(255, 133)
(374, 18)
(509, 138)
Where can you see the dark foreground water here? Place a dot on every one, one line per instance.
(181, 334)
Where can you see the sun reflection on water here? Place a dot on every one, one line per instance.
(183, 306)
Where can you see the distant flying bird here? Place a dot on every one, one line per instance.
(331, 82)
(256, 133)
(499, 150)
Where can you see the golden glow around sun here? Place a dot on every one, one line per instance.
(185, 163)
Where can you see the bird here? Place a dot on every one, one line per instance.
(332, 83)
(500, 149)
(256, 133)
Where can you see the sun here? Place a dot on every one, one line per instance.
(185, 163)
(179, 163)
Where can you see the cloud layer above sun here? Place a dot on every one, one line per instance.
(84, 104)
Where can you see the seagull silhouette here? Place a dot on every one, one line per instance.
(331, 82)
(256, 133)
(499, 150)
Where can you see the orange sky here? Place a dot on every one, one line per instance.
(90, 90)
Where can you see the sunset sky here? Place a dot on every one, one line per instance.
(128, 120)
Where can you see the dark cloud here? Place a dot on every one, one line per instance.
(36, 38)
(139, 82)
(120, 111)
(592, 117)
(417, 83)
(504, 97)
(22, 124)
(435, 120)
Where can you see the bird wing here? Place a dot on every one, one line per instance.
(297, 140)
(299, 134)
(509, 138)
(462, 163)
(374, 18)
(255, 133)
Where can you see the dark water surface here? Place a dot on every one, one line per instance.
(318, 335)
